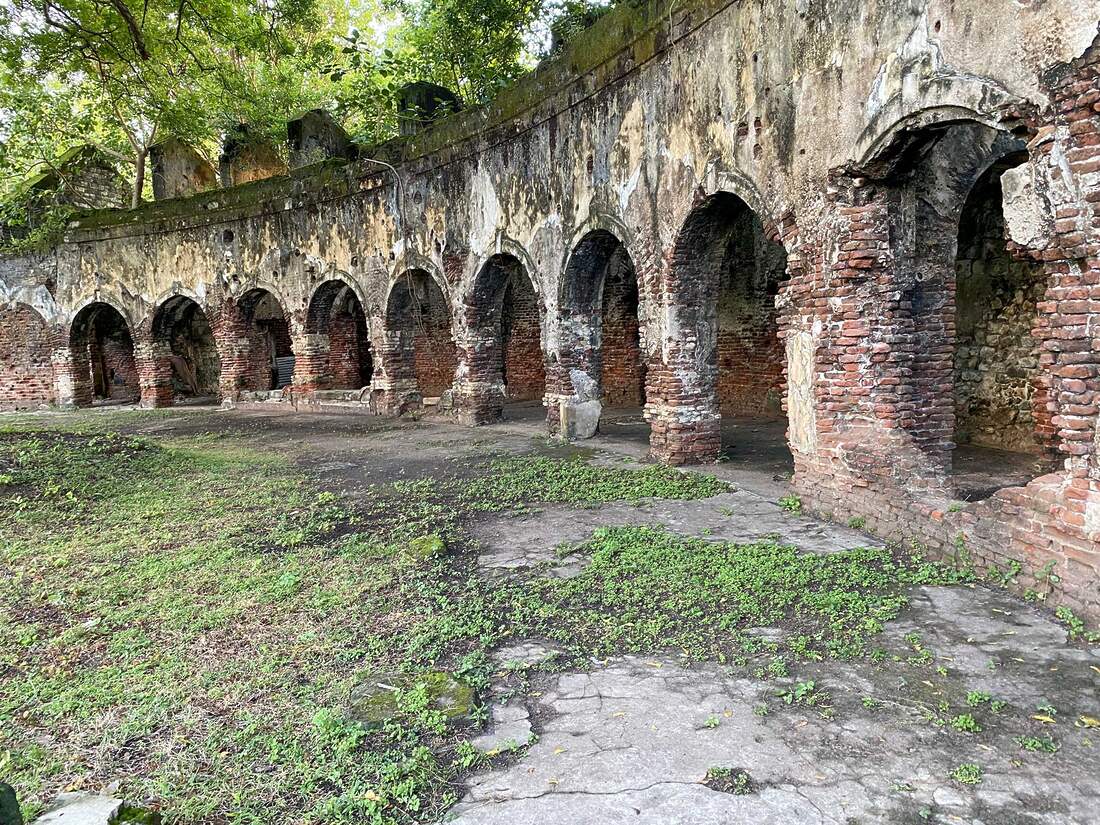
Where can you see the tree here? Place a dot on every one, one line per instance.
(149, 68)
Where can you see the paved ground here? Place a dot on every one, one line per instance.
(633, 739)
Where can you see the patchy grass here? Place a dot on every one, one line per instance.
(189, 616)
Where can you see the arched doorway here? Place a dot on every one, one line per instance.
(338, 324)
(420, 349)
(504, 353)
(187, 367)
(727, 271)
(971, 390)
(269, 359)
(600, 334)
(102, 351)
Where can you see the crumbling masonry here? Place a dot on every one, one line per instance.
(877, 221)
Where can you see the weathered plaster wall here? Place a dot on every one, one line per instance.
(814, 114)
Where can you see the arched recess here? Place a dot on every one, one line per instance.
(339, 356)
(420, 356)
(183, 363)
(727, 268)
(599, 330)
(970, 386)
(26, 365)
(503, 353)
(266, 359)
(101, 347)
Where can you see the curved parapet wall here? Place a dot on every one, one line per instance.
(845, 137)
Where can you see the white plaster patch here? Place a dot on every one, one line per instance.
(1027, 213)
(800, 391)
(484, 211)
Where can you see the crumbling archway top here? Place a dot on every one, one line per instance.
(415, 262)
(950, 101)
(341, 277)
(107, 299)
(505, 248)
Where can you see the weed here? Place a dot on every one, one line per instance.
(1036, 744)
(792, 504)
(967, 774)
(966, 723)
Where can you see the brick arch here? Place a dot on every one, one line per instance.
(419, 356)
(26, 362)
(598, 325)
(501, 356)
(102, 356)
(179, 358)
(928, 177)
(255, 341)
(725, 270)
(337, 352)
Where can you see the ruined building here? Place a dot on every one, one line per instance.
(876, 221)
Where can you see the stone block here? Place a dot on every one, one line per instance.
(179, 171)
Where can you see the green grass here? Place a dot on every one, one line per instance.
(189, 614)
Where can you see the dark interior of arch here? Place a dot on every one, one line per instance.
(729, 272)
(336, 311)
(507, 313)
(967, 307)
(600, 317)
(270, 353)
(103, 353)
(419, 315)
(183, 327)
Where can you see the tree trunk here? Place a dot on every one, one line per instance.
(139, 178)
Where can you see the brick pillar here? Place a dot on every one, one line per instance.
(72, 377)
(154, 368)
(311, 364)
(681, 396)
(231, 335)
(395, 386)
(479, 383)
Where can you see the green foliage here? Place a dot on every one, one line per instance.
(1035, 744)
(522, 480)
(792, 504)
(967, 774)
(966, 723)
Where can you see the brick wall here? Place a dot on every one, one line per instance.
(880, 446)
(523, 370)
(750, 353)
(622, 371)
(101, 361)
(26, 367)
(996, 356)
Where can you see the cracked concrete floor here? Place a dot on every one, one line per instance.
(632, 739)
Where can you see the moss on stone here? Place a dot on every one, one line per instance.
(425, 547)
(377, 700)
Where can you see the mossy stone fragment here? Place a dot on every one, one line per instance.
(425, 547)
(374, 701)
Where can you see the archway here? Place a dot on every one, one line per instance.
(102, 352)
(727, 271)
(968, 307)
(187, 366)
(26, 364)
(420, 349)
(342, 359)
(504, 356)
(268, 362)
(600, 334)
